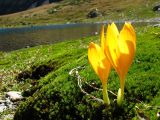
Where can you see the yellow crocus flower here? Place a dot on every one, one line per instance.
(120, 50)
(100, 64)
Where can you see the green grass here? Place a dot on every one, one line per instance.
(56, 94)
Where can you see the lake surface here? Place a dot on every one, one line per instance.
(17, 38)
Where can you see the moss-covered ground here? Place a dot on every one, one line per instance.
(42, 74)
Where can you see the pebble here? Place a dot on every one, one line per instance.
(14, 96)
(156, 25)
(10, 100)
(9, 117)
(3, 107)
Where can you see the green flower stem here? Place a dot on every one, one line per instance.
(120, 95)
(105, 95)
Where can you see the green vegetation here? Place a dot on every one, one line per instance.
(42, 74)
(77, 11)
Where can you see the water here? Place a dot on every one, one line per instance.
(17, 38)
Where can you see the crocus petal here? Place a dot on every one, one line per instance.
(132, 33)
(127, 48)
(99, 62)
(111, 46)
(102, 38)
(103, 70)
(94, 56)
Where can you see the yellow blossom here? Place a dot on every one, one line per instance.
(120, 50)
(100, 64)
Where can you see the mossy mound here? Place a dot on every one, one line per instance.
(62, 98)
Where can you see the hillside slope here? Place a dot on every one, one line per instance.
(73, 11)
(12, 6)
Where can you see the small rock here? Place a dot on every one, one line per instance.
(2, 107)
(96, 33)
(8, 117)
(156, 8)
(94, 13)
(158, 114)
(14, 96)
(2, 101)
(156, 25)
(68, 22)
(27, 46)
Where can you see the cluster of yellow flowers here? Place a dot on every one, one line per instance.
(117, 50)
